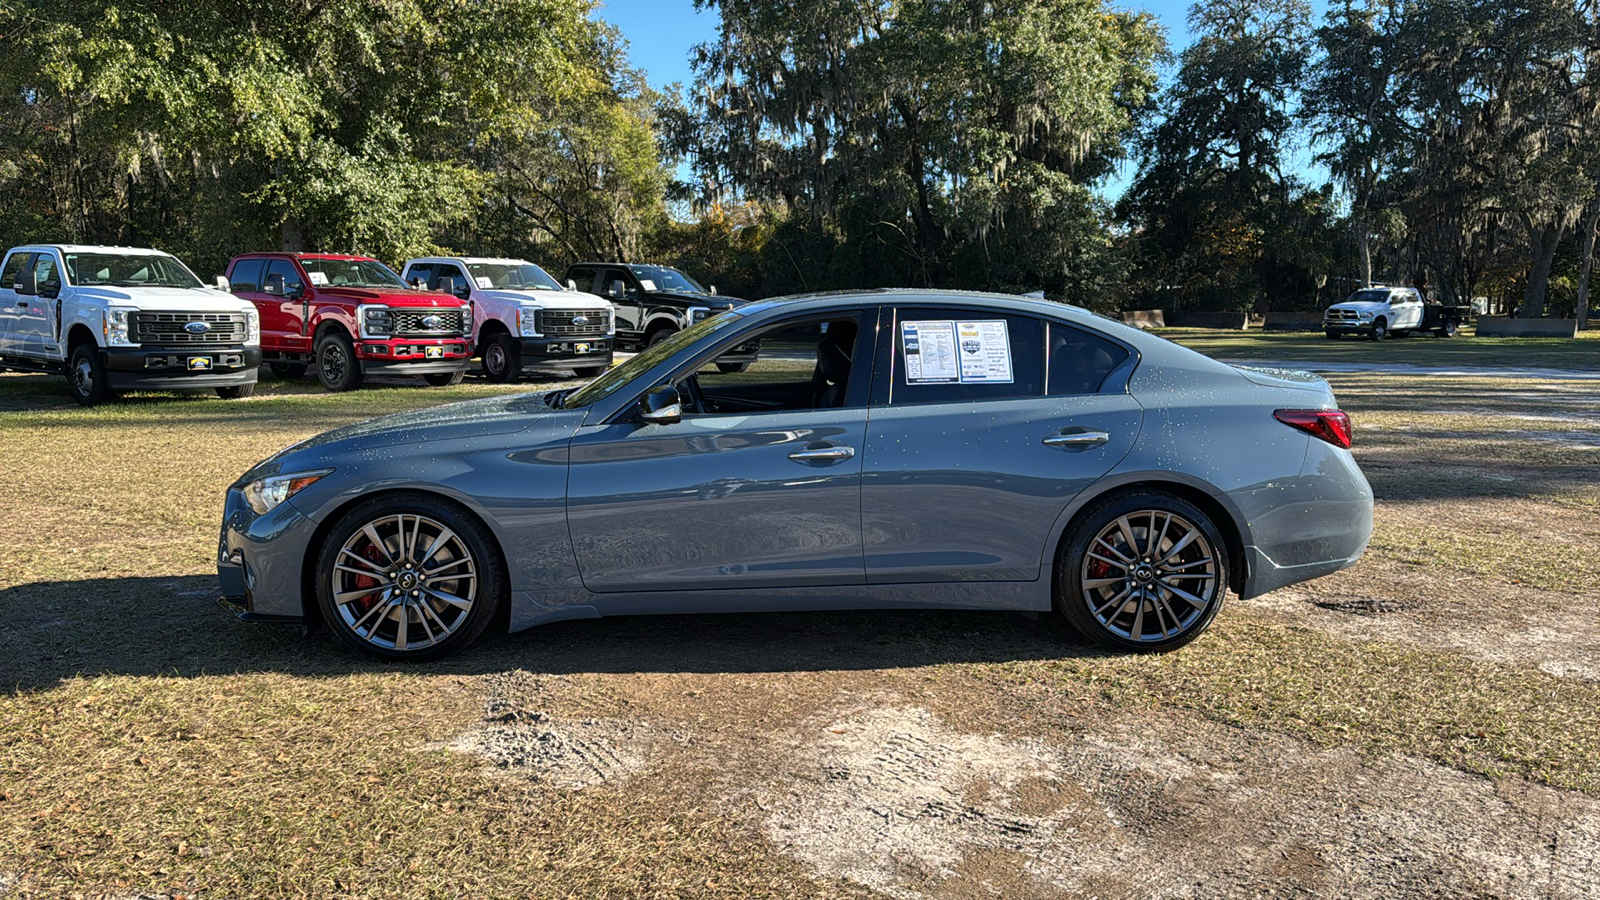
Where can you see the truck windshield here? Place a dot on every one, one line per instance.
(1368, 297)
(367, 273)
(128, 270)
(608, 383)
(512, 277)
(666, 279)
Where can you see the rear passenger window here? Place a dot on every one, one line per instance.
(1080, 361)
(950, 355)
(246, 275)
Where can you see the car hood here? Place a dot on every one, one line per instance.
(423, 299)
(1362, 306)
(467, 420)
(165, 299)
(549, 299)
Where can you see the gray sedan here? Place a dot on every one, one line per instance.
(888, 449)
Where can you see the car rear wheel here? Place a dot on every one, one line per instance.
(658, 336)
(444, 379)
(1447, 329)
(1145, 571)
(502, 364)
(337, 366)
(409, 577)
(86, 372)
(287, 371)
(236, 392)
(1380, 329)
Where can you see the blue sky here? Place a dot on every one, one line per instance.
(661, 34)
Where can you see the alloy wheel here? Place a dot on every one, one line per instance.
(1150, 575)
(404, 582)
(332, 362)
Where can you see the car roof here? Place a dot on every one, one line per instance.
(487, 260)
(623, 265)
(87, 248)
(281, 254)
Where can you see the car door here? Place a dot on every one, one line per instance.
(762, 490)
(34, 328)
(629, 303)
(984, 426)
(287, 308)
(1407, 309)
(12, 302)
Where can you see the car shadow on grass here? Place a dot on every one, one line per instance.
(173, 627)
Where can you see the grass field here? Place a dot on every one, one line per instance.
(1424, 350)
(1427, 722)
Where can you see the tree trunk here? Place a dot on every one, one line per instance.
(1544, 244)
(1586, 259)
(293, 240)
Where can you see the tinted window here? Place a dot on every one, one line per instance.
(14, 263)
(583, 276)
(609, 276)
(798, 366)
(1080, 361)
(422, 272)
(947, 355)
(246, 275)
(291, 277)
(443, 271)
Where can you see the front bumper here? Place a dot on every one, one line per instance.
(567, 352)
(1346, 327)
(181, 368)
(261, 561)
(414, 356)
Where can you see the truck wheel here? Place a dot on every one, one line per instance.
(1332, 335)
(1380, 329)
(590, 371)
(657, 337)
(502, 364)
(732, 368)
(287, 371)
(444, 379)
(236, 392)
(1142, 571)
(86, 372)
(1448, 329)
(337, 366)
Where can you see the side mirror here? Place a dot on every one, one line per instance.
(27, 282)
(224, 285)
(274, 285)
(417, 282)
(616, 289)
(661, 406)
(713, 290)
(571, 285)
(454, 285)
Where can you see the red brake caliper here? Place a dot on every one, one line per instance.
(367, 581)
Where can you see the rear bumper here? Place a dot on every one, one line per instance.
(1317, 525)
(181, 368)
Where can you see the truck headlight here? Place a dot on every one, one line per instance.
(376, 323)
(1365, 316)
(252, 326)
(266, 494)
(466, 319)
(528, 321)
(116, 326)
(696, 313)
(611, 322)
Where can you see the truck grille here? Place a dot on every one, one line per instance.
(409, 322)
(172, 329)
(564, 321)
(1341, 315)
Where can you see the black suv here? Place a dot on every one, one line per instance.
(654, 302)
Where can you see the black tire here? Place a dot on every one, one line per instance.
(590, 371)
(485, 590)
(659, 335)
(1333, 335)
(1448, 329)
(337, 366)
(236, 392)
(288, 371)
(1087, 587)
(732, 368)
(1380, 329)
(502, 361)
(444, 379)
(86, 374)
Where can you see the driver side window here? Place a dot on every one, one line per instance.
(812, 364)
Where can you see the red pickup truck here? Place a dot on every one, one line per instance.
(352, 316)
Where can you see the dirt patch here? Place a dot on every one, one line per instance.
(893, 798)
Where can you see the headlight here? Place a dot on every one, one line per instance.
(696, 313)
(466, 318)
(376, 323)
(116, 326)
(265, 495)
(528, 321)
(611, 321)
(1366, 315)
(252, 326)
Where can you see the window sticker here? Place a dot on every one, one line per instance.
(985, 352)
(485, 282)
(930, 352)
(318, 278)
(647, 284)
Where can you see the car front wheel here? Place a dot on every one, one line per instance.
(1380, 329)
(409, 577)
(444, 379)
(337, 366)
(87, 373)
(502, 364)
(1145, 571)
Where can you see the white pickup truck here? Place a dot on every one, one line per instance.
(523, 318)
(122, 318)
(1379, 311)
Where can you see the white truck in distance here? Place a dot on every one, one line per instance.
(122, 318)
(1379, 311)
(523, 318)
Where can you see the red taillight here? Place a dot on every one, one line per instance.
(1332, 425)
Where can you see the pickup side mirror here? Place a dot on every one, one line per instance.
(27, 282)
(454, 285)
(417, 282)
(274, 285)
(661, 406)
(571, 285)
(713, 290)
(616, 289)
(224, 285)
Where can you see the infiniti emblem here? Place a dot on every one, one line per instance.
(580, 320)
(197, 328)
(431, 321)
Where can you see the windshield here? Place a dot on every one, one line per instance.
(666, 279)
(128, 270)
(519, 276)
(366, 273)
(1368, 297)
(610, 382)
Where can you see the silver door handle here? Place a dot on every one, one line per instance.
(820, 454)
(1077, 439)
